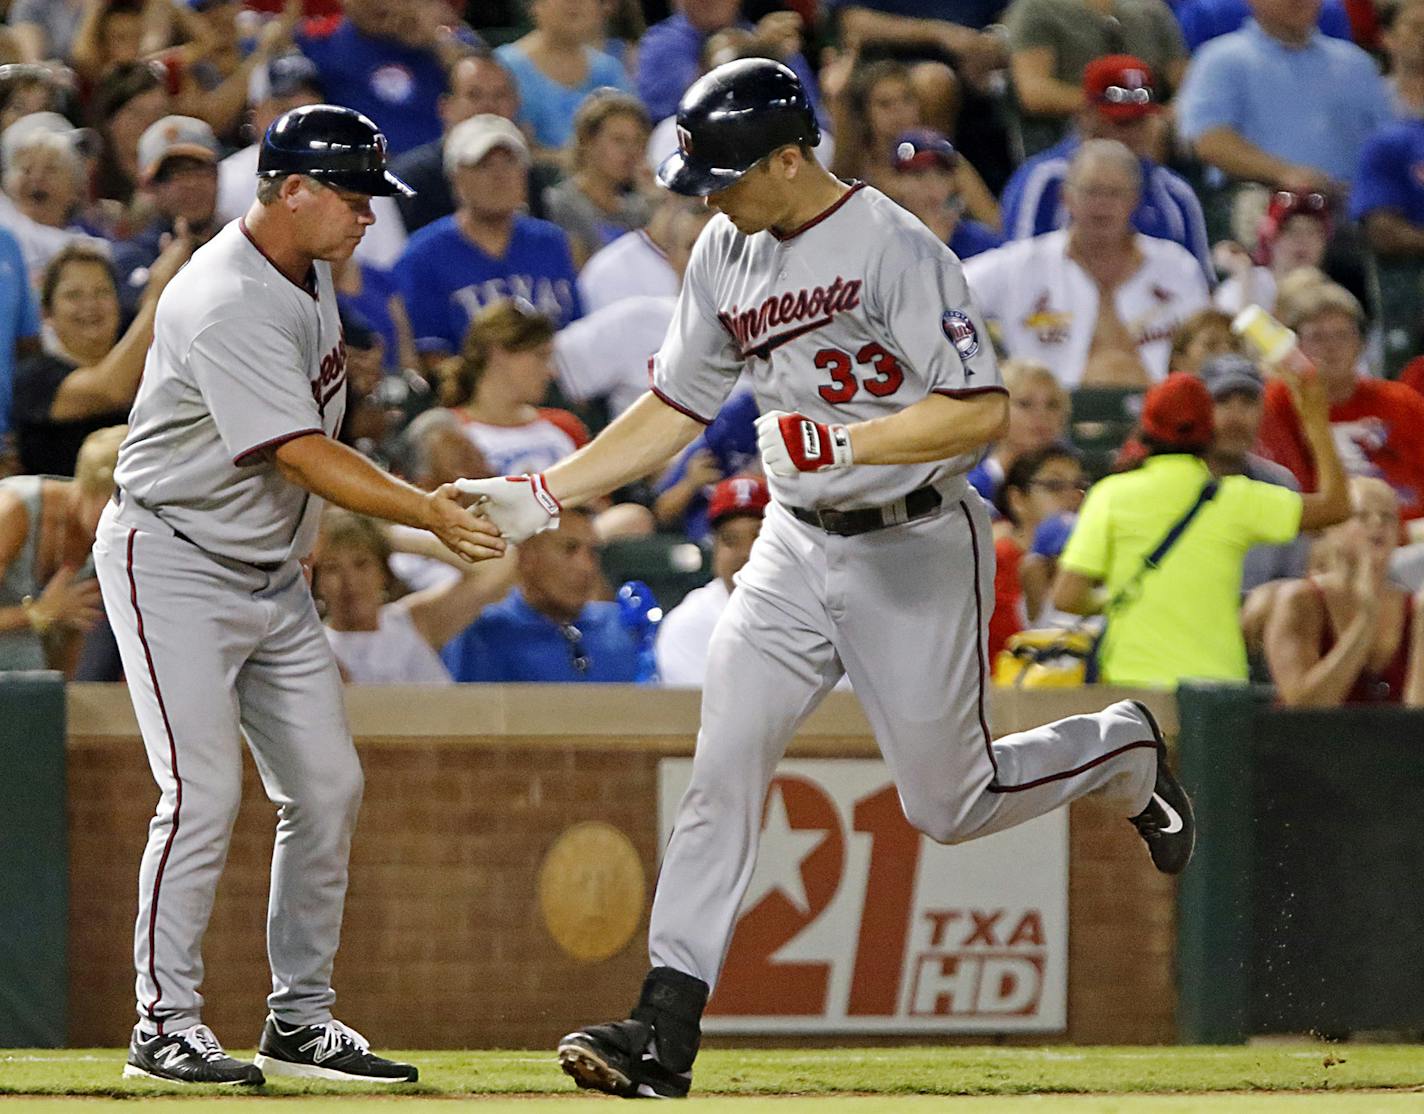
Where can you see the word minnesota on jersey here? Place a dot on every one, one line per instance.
(819, 305)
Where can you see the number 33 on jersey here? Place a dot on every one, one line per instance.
(857, 314)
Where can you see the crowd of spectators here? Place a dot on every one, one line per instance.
(1122, 178)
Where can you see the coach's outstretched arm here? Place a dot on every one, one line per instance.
(343, 476)
(644, 437)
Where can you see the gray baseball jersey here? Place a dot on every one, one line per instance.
(221, 388)
(857, 315)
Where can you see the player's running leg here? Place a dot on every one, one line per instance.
(769, 664)
(955, 781)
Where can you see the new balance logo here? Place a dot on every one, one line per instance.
(171, 1055)
(319, 1049)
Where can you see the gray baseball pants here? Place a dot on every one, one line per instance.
(214, 650)
(903, 611)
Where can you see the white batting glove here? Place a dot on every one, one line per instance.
(792, 443)
(521, 506)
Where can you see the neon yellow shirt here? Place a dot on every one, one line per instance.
(1181, 622)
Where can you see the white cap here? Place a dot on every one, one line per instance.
(471, 140)
(18, 134)
(172, 136)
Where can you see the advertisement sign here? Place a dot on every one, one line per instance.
(854, 922)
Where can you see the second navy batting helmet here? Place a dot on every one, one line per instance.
(336, 146)
(732, 118)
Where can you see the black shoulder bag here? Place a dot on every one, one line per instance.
(1152, 561)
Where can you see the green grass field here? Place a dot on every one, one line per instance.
(1372, 1103)
(1285, 1078)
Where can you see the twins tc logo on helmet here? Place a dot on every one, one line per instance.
(684, 140)
(960, 332)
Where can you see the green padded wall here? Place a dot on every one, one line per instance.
(1301, 911)
(34, 861)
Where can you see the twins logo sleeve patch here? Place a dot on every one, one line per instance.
(960, 332)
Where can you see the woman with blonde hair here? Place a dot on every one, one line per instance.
(48, 594)
(495, 386)
(1038, 418)
(603, 198)
(380, 636)
(45, 180)
(879, 104)
(1348, 634)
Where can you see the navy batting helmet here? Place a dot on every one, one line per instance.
(731, 119)
(334, 145)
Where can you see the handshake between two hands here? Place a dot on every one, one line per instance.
(478, 520)
(518, 507)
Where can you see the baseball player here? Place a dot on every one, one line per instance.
(221, 480)
(879, 390)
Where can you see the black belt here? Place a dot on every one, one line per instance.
(919, 503)
(268, 567)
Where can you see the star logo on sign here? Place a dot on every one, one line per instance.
(783, 850)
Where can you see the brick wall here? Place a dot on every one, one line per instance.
(444, 944)
(1122, 935)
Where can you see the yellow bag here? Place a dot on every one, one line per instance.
(1055, 657)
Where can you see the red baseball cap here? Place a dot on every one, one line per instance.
(738, 495)
(1177, 412)
(920, 148)
(1285, 204)
(1121, 87)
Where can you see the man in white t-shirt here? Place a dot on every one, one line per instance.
(605, 354)
(1097, 301)
(647, 261)
(286, 82)
(735, 512)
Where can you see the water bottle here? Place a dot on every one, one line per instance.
(1276, 345)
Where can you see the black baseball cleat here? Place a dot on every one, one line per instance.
(1166, 825)
(618, 1059)
(191, 1055)
(329, 1050)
